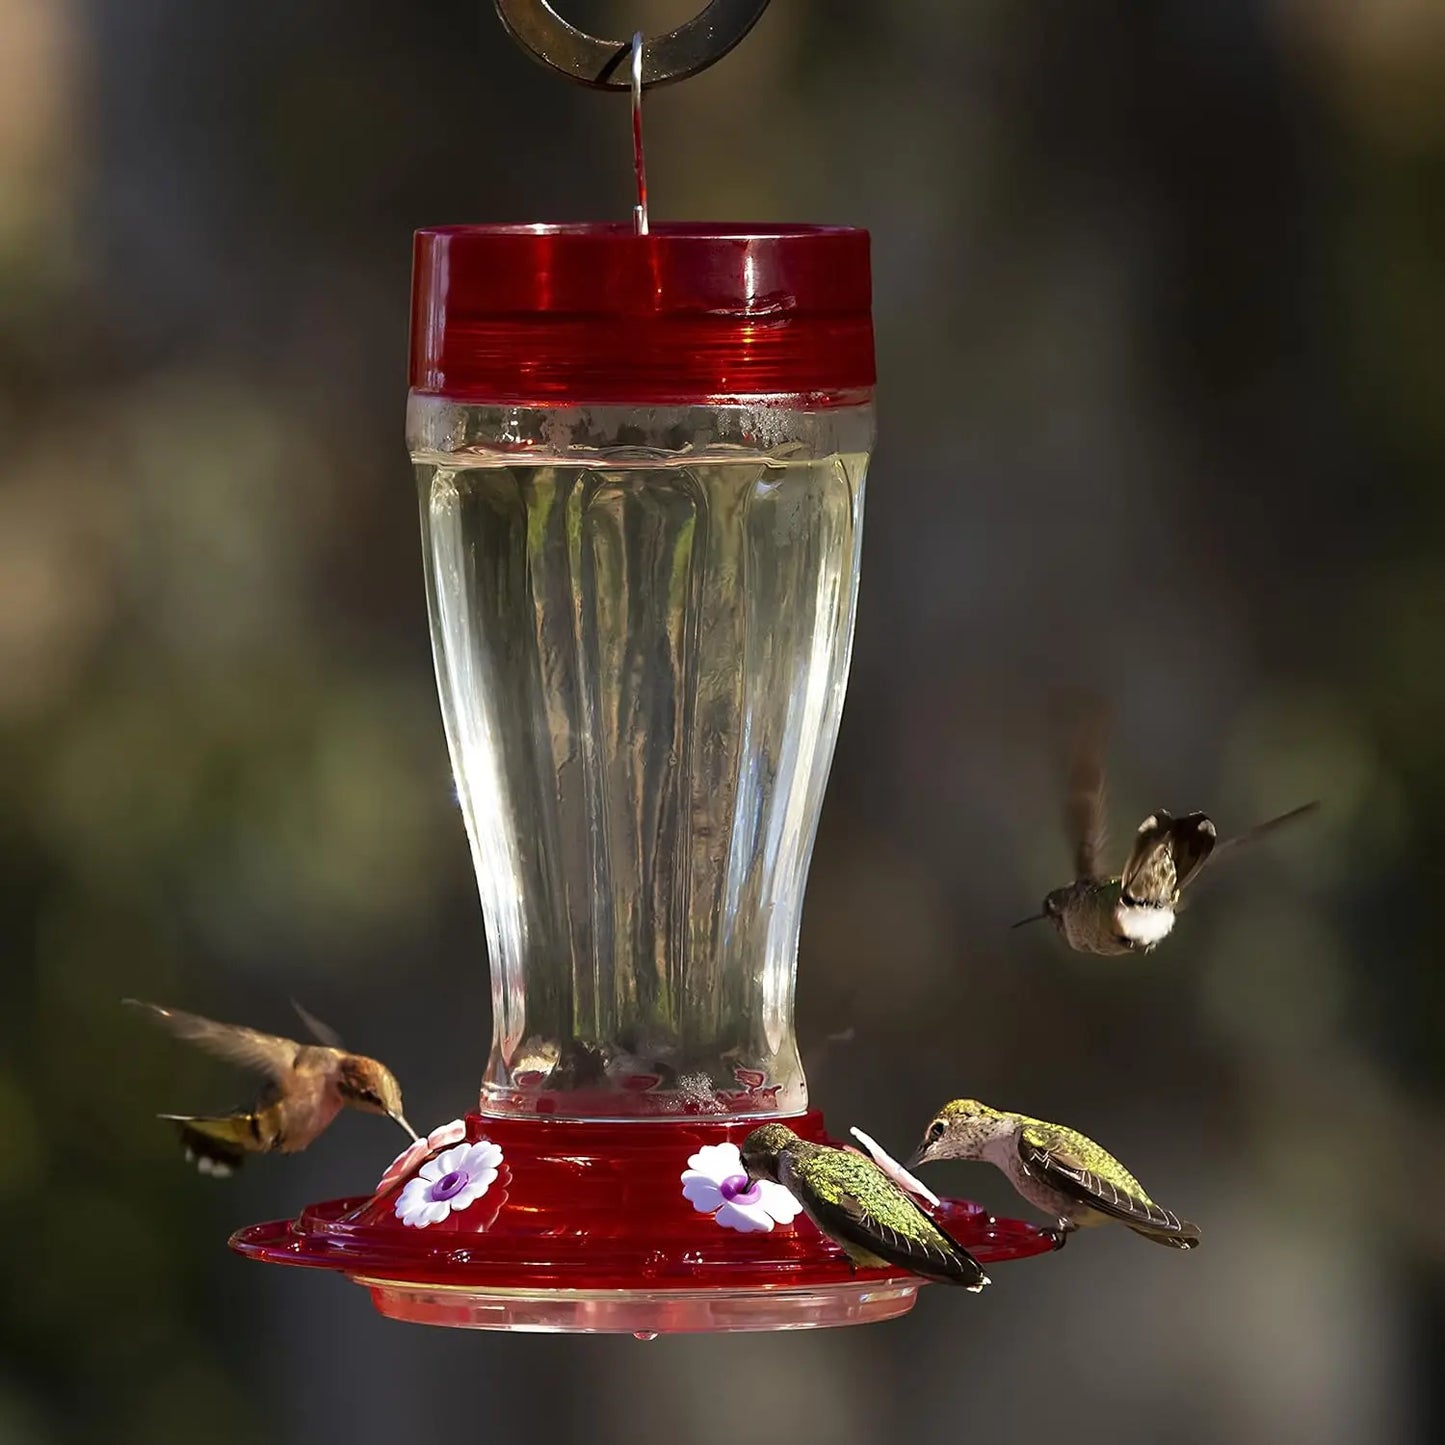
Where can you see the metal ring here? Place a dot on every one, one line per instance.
(602, 64)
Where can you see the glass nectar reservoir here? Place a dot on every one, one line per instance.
(641, 464)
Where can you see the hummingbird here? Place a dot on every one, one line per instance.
(309, 1086)
(857, 1205)
(1135, 910)
(1056, 1169)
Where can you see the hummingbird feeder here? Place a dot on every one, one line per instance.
(640, 452)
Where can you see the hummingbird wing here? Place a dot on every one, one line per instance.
(1167, 853)
(1227, 848)
(1089, 1175)
(1085, 821)
(852, 1201)
(323, 1033)
(1262, 830)
(267, 1053)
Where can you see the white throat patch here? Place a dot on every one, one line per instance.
(1144, 925)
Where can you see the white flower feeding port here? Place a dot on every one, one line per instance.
(716, 1183)
(452, 1181)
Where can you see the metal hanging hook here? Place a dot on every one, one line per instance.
(603, 64)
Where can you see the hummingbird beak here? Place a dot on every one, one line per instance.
(401, 1119)
(919, 1156)
(1032, 918)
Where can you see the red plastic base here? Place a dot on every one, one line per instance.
(586, 1228)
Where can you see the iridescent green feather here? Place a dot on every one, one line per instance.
(836, 1176)
(849, 1198)
(1077, 1167)
(1069, 1143)
(858, 1206)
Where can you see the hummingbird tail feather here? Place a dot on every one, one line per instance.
(216, 1146)
(1187, 1236)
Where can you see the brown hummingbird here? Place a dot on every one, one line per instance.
(309, 1086)
(1132, 911)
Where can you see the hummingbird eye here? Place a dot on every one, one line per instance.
(936, 1131)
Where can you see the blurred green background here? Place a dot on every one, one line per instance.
(1160, 287)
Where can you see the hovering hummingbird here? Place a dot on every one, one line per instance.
(309, 1086)
(1133, 911)
(856, 1204)
(1056, 1169)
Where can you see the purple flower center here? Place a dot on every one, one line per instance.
(739, 1189)
(450, 1184)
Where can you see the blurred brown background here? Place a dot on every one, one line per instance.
(1160, 286)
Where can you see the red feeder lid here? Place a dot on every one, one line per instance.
(687, 314)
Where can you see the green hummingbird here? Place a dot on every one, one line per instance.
(1056, 1169)
(857, 1205)
(1135, 910)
